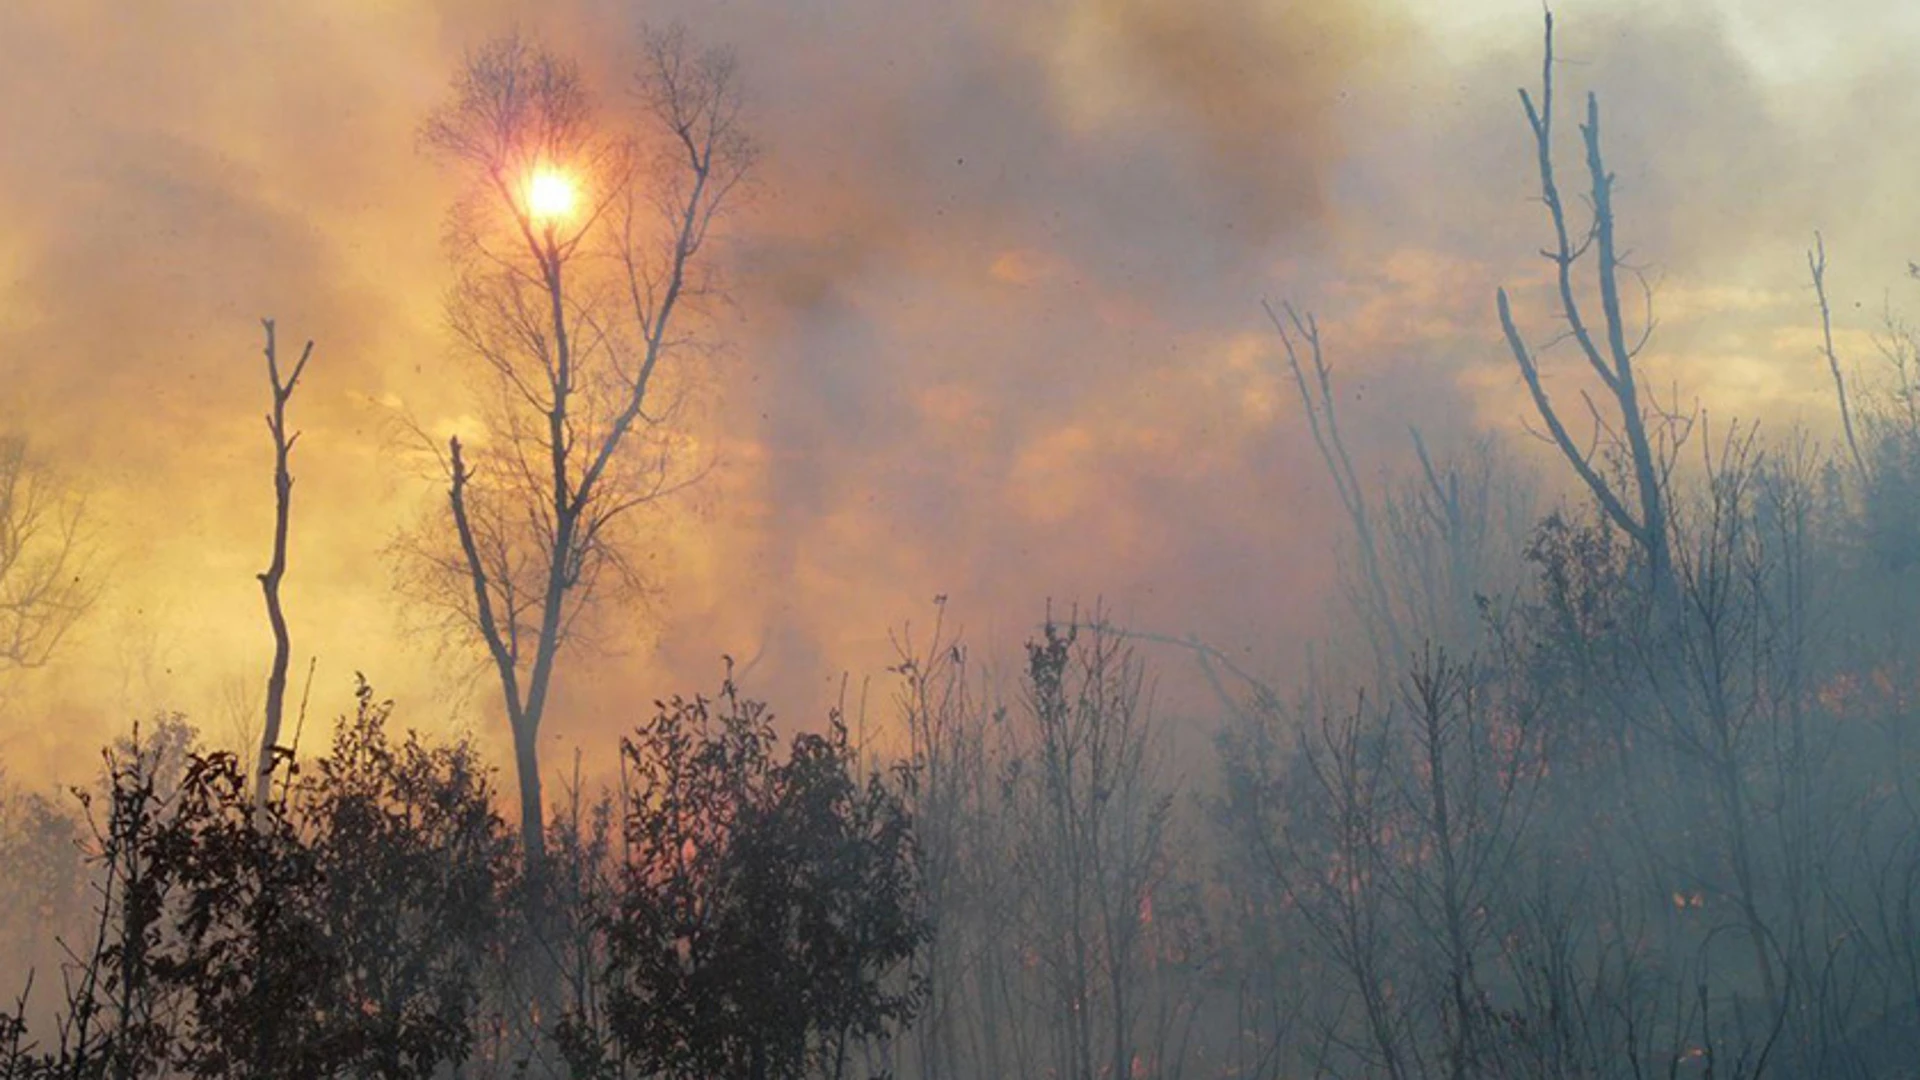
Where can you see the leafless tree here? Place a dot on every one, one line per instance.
(948, 753)
(583, 267)
(1426, 550)
(1323, 841)
(277, 568)
(46, 562)
(1817, 270)
(1453, 541)
(1092, 840)
(1627, 460)
(980, 1016)
(1313, 381)
(1466, 796)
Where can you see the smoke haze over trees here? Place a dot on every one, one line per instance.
(1083, 539)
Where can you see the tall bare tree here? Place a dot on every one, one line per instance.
(277, 567)
(1817, 270)
(1626, 461)
(581, 252)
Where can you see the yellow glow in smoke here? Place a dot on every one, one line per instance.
(551, 195)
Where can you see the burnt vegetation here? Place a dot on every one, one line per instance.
(1615, 784)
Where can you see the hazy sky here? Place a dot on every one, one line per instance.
(997, 332)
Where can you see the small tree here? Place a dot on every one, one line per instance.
(766, 908)
(246, 947)
(413, 855)
(337, 930)
(1091, 842)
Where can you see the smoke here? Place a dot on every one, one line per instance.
(996, 331)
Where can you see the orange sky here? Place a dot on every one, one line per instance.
(997, 332)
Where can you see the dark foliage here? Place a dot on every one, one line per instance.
(338, 930)
(765, 907)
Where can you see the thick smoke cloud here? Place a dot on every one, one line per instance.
(997, 332)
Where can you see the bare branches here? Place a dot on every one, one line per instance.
(1264, 698)
(1817, 270)
(501, 645)
(572, 321)
(1300, 335)
(1566, 251)
(1635, 502)
(1451, 539)
(45, 558)
(1582, 459)
(277, 568)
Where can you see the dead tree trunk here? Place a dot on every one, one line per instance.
(277, 569)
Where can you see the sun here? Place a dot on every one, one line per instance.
(551, 195)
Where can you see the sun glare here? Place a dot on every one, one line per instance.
(550, 195)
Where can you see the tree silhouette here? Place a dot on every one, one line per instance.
(574, 317)
(768, 906)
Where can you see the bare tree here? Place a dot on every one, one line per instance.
(1817, 270)
(1626, 462)
(948, 755)
(1327, 856)
(45, 559)
(1313, 381)
(1426, 551)
(1094, 842)
(1454, 537)
(581, 259)
(277, 568)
